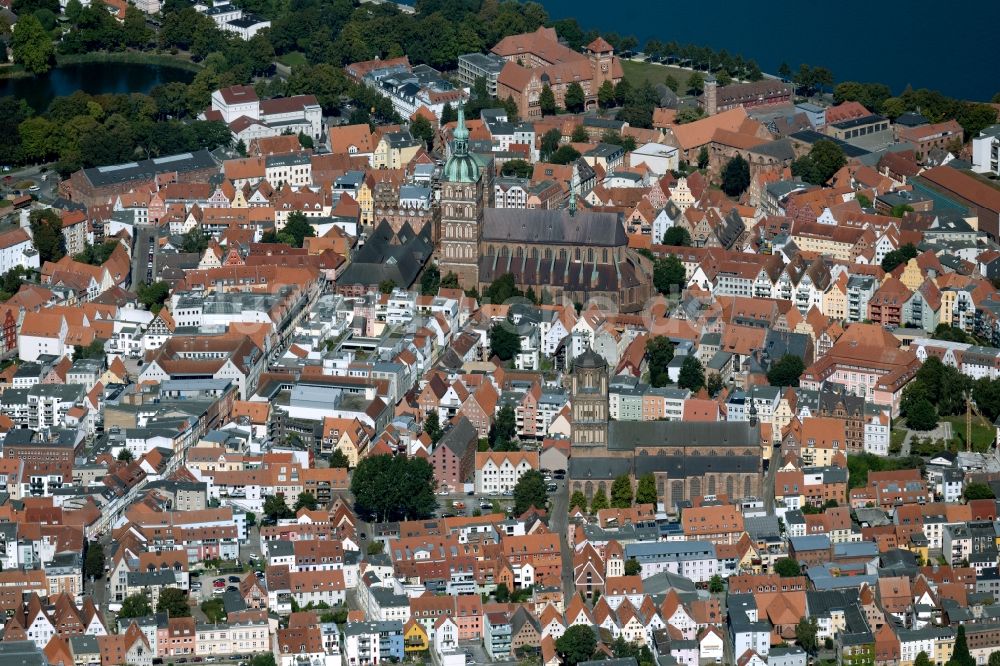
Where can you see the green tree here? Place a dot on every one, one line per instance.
(386, 286)
(606, 94)
(517, 168)
(93, 350)
(136, 605)
(550, 142)
(645, 492)
(621, 492)
(922, 659)
(306, 500)
(599, 501)
(921, 415)
(786, 567)
(430, 281)
(579, 135)
(825, 158)
(575, 98)
(689, 115)
(213, 610)
(266, 658)
(174, 602)
(297, 229)
(275, 507)
(784, 71)
(703, 158)
(786, 371)
(715, 584)
(669, 275)
(529, 491)
(994, 656)
(975, 491)
(394, 487)
(504, 428)
(153, 295)
(579, 500)
(564, 155)
(696, 83)
(659, 354)
(632, 567)
(421, 129)
(692, 375)
(134, 30)
(547, 101)
(502, 593)
(93, 565)
(432, 426)
(375, 548)
(505, 343)
(31, 45)
(677, 236)
(736, 176)
(125, 456)
(46, 232)
(714, 384)
(960, 655)
(898, 256)
(576, 644)
(96, 255)
(194, 241)
(450, 281)
(338, 460)
(900, 209)
(502, 289)
(805, 634)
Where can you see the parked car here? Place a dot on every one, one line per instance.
(234, 579)
(195, 586)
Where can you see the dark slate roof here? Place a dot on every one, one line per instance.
(553, 227)
(812, 136)
(148, 169)
(681, 467)
(629, 434)
(598, 468)
(564, 273)
(390, 256)
(460, 436)
(779, 150)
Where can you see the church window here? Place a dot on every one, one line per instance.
(711, 485)
(590, 254)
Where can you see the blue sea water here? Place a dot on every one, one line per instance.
(923, 43)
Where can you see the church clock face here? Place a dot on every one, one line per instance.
(604, 67)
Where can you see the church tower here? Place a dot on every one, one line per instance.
(589, 396)
(711, 95)
(462, 203)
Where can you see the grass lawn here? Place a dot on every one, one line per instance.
(638, 73)
(293, 59)
(983, 435)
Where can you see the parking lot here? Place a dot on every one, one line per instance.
(466, 504)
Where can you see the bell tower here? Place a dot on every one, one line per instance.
(589, 396)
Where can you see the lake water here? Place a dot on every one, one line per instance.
(915, 42)
(93, 78)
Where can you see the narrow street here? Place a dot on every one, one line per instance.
(559, 521)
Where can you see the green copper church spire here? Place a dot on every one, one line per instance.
(461, 166)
